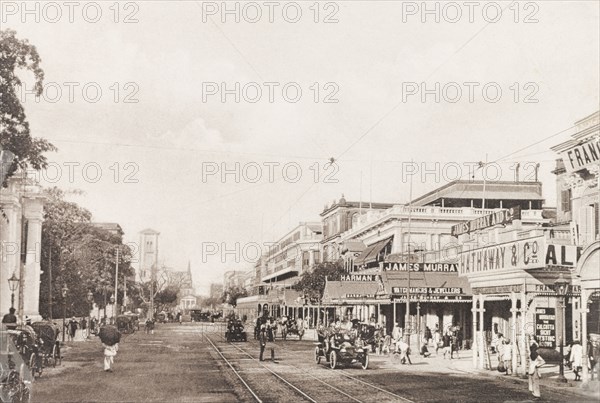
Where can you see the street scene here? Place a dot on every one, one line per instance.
(299, 201)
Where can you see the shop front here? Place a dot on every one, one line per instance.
(588, 277)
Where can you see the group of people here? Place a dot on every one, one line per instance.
(450, 342)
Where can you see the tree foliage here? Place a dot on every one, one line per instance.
(231, 295)
(312, 282)
(166, 298)
(19, 55)
(80, 256)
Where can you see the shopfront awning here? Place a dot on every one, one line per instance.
(350, 292)
(371, 253)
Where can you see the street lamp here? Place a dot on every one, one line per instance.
(64, 291)
(90, 299)
(13, 285)
(561, 286)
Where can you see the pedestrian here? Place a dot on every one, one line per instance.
(576, 359)
(72, 328)
(437, 339)
(84, 327)
(93, 325)
(428, 335)
(446, 344)
(404, 352)
(149, 326)
(454, 345)
(109, 356)
(506, 354)
(262, 340)
(534, 374)
(10, 319)
(425, 351)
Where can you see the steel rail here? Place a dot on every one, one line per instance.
(272, 372)
(309, 374)
(234, 370)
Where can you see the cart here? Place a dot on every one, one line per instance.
(127, 323)
(49, 344)
(28, 345)
(235, 331)
(15, 378)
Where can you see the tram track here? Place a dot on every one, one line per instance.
(310, 386)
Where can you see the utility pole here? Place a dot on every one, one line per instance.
(50, 283)
(407, 319)
(115, 309)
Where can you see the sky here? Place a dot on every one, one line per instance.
(215, 123)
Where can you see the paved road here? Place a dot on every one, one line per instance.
(192, 363)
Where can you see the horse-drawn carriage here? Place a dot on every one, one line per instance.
(341, 347)
(49, 345)
(29, 347)
(15, 379)
(235, 331)
(128, 323)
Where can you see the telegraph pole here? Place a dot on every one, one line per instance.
(407, 319)
(115, 309)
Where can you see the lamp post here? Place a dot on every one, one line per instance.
(112, 301)
(561, 287)
(13, 284)
(64, 292)
(90, 299)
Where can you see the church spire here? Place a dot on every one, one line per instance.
(189, 267)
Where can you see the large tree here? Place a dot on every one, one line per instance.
(18, 55)
(231, 295)
(78, 255)
(312, 282)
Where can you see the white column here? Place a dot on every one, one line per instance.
(31, 283)
(523, 341)
(513, 331)
(584, 340)
(474, 347)
(482, 345)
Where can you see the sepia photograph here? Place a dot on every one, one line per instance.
(299, 201)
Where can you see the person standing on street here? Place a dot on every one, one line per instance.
(262, 340)
(446, 344)
(84, 326)
(576, 359)
(109, 356)
(10, 319)
(72, 328)
(534, 374)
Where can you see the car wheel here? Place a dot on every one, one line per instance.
(365, 362)
(333, 359)
(317, 355)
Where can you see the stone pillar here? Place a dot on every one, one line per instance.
(523, 340)
(32, 270)
(584, 339)
(475, 344)
(513, 331)
(482, 346)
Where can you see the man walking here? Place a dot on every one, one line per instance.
(262, 340)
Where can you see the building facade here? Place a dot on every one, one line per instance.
(578, 191)
(22, 205)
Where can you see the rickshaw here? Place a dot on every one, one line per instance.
(15, 379)
(47, 333)
(28, 345)
(127, 323)
(340, 347)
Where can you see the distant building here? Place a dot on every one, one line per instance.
(148, 253)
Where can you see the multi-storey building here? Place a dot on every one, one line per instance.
(578, 190)
(148, 254)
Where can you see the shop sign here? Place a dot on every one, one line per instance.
(499, 289)
(545, 327)
(428, 298)
(573, 289)
(429, 267)
(360, 296)
(522, 254)
(582, 156)
(359, 277)
(562, 255)
(428, 290)
(498, 217)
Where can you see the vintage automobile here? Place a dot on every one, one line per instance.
(49, 343)
(341, 348)
(29, 346)
(15, 378)
(235, 331)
